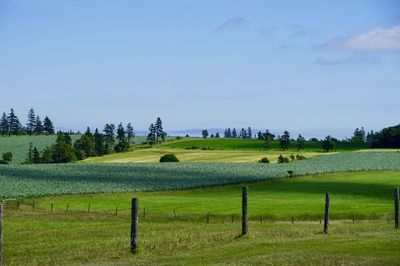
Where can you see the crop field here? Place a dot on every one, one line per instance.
(152, 155)
(38, 180)
(252, 144)
(102, 238)
(19, 145)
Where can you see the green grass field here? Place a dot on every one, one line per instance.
(252, 144)
(102, 238)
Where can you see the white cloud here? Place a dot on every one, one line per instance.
(378, 39)
(232, 23)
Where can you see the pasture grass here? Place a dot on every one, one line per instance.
(102, 238)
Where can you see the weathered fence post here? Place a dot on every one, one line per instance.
(174, 214)
(67, 206)
(134, 223)
(144, 212)
(116, 210)
(396, 207)
(326, 219)
(208, 217)
(51, 208)
(245, 191)
(292, 220)
(18, 205)
(354, 219)
(232, 218)
(88, 210)
(33, 207)
(1, 233)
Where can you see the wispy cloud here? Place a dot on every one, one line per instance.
(375, 40)
(232, 23)
(353, 59)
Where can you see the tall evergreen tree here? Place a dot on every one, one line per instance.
(48, 126)
(151, 137)
(285, 140)
(300, 142)
(243, 133)
(35, 156)
(62, 150)
(249, 133)
(217, 135)
(204, 133)
(234, 133)
(328, 144)
(98, 143)
(109, 141)
(160, 134)
(130, 133)
(123, 143)
(14, 125)
(85, 144)
(30, 150)
(31, 123)
(38, 126)
(4, 128)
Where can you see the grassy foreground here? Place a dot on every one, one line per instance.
(102, 238)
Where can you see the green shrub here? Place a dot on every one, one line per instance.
(7, 157)
(264, 160)
(168, 158)
(282, 159)
(291, 173)
(292, 157)
(300, 157)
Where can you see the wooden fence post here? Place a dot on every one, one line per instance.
(292, 220)
(116, 210)
(396, 207)
(33, 207)
(326, 219)
(1, 233)
(245, 191)
(174, 214)
(144, 212)
(88, 210)
(51, 208)
(67, 206)
(134, 224)
(18, 205)
(208, 217)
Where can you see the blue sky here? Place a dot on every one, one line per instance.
(317, 67)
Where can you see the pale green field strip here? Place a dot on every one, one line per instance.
(153, 155)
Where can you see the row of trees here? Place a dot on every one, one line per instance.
(88, 145)
(156, 132)
(243, 134)
(11, 125)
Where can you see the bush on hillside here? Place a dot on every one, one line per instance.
(168, 158)
(264, 160)
(282, 159)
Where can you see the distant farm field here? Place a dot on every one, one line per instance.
(253, 144)
(38, 180)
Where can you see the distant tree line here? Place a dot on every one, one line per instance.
(243, 134)
(93, 144)
(11, 125)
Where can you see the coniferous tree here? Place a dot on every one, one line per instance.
(328, 144)
(48, 126)
(151, 137)
(46, 155)
(228, 133)
(14, 125)
(285, 140)
(217, 135)
(35, 156)
(249, 133)
(85, 144)
(4, 128)
(204, 133)
(300, 142)
(234, 133)
(62, 150)
(38, 126)
(109, 141)
(243, 134)
(30, 150)
(130, 133)
(31, 123)
(98, 143)
(160, 134)
(123, 143)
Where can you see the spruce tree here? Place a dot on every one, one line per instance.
(300, 142)
(35, 156)
(249, 133)
(328, 144)
(31, 123)
(151, 137)
(38, 126)
(4, 128)
(160, 134)
(217, 135)
(204, 133)
(123, 143)
(48, 126)
(109, 141)
(98, 143)
(130, 133)
(234, 133)
(13, 123)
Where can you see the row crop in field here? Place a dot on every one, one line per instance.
(38, 180)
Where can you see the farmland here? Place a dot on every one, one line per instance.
(102, 238)
(38, 180)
